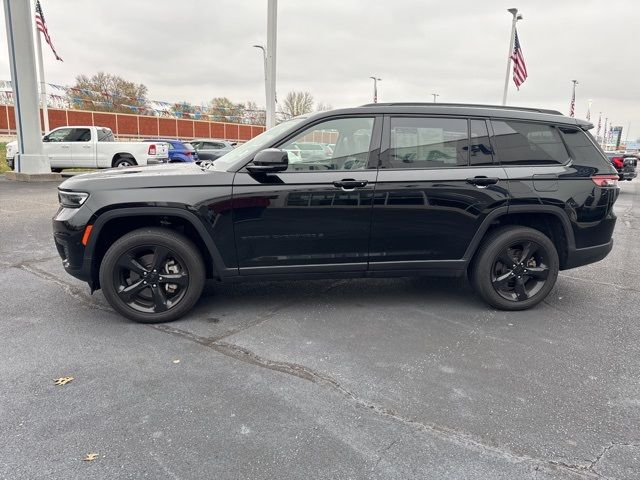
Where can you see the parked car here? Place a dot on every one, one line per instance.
(12, 150)
(212, 149)
(94, 147)
(625, 164)
(510, 197)
(179, 151)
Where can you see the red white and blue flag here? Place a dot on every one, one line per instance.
(519, 67)
(42, 27)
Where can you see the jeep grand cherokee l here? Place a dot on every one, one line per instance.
(508, 196)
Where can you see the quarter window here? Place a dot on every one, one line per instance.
(522, 143)
(352, 137)
(583, 150)
(423, 142)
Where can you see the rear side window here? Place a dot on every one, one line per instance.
(79, 135)
(582, 149)
(523, 143)
(424, 142)
(480, 152)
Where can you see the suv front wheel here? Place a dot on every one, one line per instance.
(152, 275)
(515, 268)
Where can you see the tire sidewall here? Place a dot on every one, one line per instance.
(482, 270)
(169, 239)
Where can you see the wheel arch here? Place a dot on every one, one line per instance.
(113, 224)
(119, 155)
(551, 221)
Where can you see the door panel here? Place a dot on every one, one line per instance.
(82, 148)
(427, 215)
(429, 202)
(301, 219)
(58, 149)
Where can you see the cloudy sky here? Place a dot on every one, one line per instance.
(195, 50)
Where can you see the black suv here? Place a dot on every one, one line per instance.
(509, 196)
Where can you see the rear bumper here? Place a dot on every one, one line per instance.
(156, 160)
(584, 256)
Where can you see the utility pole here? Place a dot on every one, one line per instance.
(43, 85)
(572, 107)
(516, 17)
(19, 20)
(435, 95)
(375, 88)
(272, 34)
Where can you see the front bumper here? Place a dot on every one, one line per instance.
(67, 236)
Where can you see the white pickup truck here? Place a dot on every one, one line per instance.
(94, 147)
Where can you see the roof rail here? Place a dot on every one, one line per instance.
(472, 105)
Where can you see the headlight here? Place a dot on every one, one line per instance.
(72, 199)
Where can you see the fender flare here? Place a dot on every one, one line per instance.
(102, 219)
(506, 210)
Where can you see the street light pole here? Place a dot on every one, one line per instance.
(435, 95)
(272, 30)
(264, 66)
(516, 17)
(375, 88)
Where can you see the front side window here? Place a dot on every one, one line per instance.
(522, 143)
(352, 137)
(425, 142)
(59, 135)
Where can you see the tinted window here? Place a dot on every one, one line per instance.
(79, 135)
(480, 153)
(582, 149)
(423, 142)
(351, 135)
(521, 143)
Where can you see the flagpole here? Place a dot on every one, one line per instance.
(516, 17)
(43, 88)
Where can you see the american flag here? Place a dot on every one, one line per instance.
(42, 26)
(519, 67)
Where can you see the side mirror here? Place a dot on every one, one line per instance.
(268, 161)
(45, 138)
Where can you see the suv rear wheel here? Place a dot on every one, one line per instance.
(152, 275)
(515, 268)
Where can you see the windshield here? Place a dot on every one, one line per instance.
(254, 145)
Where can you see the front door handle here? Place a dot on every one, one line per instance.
(483, 182)
(350, 184)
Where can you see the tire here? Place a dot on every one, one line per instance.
(122, 162)
(141, 290)
(508, 288)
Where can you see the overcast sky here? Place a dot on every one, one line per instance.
(195, 50)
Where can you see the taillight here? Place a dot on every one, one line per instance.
(618, 162)
(188, 153)
(605, 180)
(152, 150)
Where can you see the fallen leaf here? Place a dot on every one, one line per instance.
(62, 380)
(90, 457)
(176, 361)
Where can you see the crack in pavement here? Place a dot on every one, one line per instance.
(69, 289)
(300, 371)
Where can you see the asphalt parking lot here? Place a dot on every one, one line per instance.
(348, 379)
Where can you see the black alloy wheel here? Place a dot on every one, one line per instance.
(520, 271)
(152, 275)
(515, 268)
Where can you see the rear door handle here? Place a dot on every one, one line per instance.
(483, 182)
(350, 184)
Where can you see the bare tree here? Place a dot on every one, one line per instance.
(254, 115)
(297, 103)
(224, 110)
(105, 92)
(323, 107)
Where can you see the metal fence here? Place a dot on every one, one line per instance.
(132, 126)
